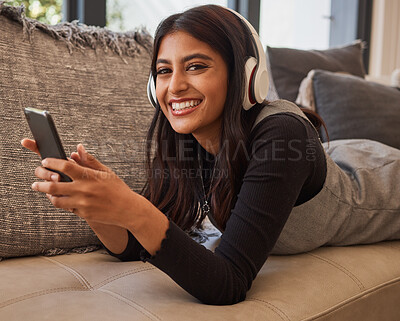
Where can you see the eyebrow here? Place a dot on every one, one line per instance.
(186, 58)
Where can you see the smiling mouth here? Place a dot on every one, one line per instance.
(185, 104)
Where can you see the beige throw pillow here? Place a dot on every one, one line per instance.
(305, 97)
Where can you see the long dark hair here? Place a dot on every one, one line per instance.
(171, 163)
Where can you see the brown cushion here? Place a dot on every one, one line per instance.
(96, 98)
(290, 66)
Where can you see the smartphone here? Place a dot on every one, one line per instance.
(46, 136)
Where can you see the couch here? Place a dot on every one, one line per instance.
(53, 267)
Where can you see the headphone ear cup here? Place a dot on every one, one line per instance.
(260, 84)
(151, 91)
(250, 68)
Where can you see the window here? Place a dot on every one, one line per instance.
(46, 11)
(295, 24)
(123, 15)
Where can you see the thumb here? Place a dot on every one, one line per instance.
(89, 160)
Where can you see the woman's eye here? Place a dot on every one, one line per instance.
(163, 71)
(196, 67)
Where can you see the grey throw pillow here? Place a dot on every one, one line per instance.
(290, 66)
(355, 108)
(96, 98)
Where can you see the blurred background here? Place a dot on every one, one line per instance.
(301, 24)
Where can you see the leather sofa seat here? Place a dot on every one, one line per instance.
(331, 283)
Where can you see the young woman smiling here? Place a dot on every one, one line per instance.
(262, 175)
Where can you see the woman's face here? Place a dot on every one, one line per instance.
(191, 86)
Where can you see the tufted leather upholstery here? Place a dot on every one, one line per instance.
(339, 283)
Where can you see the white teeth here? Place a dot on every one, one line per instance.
(185, 104)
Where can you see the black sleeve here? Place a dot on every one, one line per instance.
(273, 181)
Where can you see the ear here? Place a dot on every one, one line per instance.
(250, 67)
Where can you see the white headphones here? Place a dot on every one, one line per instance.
(256, 73)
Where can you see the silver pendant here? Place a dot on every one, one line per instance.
(206, 207)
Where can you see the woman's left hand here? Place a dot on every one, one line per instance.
(94, 195)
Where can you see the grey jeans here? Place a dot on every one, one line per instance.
(359, 202)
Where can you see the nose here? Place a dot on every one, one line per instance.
(178, 82)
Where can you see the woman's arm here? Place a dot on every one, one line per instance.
(148, 229)
(114, 238)
(149, 226)
(100, 196)
(269, 191)
(109, 206)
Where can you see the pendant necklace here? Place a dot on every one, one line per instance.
(206, 207)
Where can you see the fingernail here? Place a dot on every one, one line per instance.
(34, 186)
(54, 177)
(44, 162)
(84, 150)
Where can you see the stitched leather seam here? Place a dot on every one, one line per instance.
(82, 280)
(39, 293)
(87, 284)
(350, 300)
(342, 268)
(122, 275)
(131, 303)
(272, 307)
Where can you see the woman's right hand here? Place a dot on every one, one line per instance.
(80, 157)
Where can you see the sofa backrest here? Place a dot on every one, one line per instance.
(93, 82)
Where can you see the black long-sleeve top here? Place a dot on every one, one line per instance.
(287, 168)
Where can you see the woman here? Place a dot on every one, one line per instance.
(261, 175)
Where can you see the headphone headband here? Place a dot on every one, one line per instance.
(255, 39)
(258, 79)
(256, 73)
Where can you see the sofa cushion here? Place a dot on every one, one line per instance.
(357, 283)
(356, 108)
(290, 66)
(82, 88)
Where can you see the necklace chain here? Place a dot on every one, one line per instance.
(206, 207)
